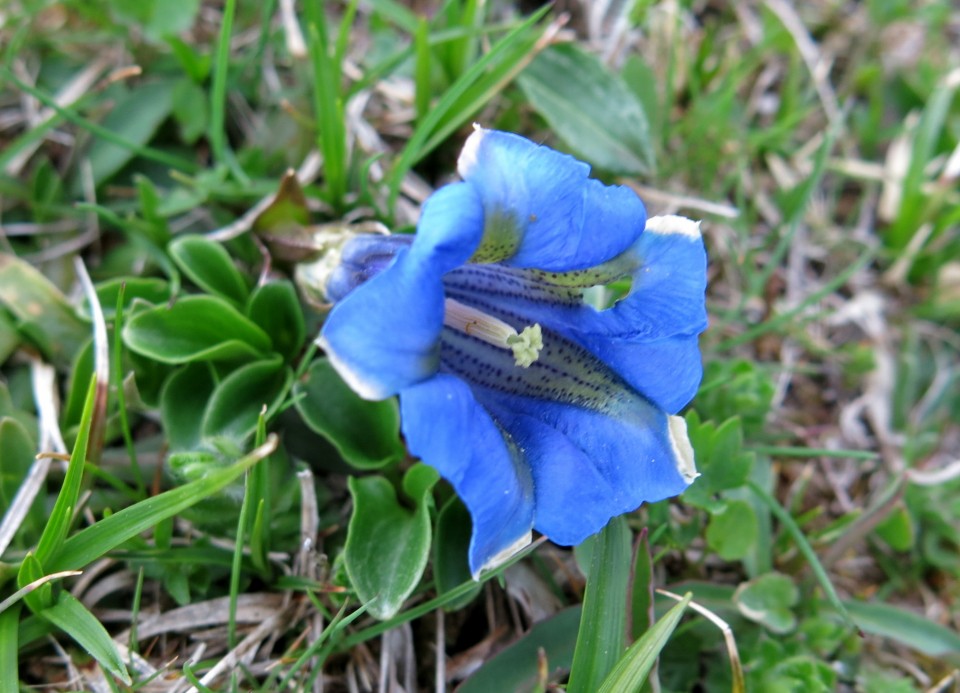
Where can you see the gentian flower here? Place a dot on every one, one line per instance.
(542, 411)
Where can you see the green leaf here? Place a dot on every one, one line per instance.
(600, 640)
(451, 567)
(590, 108)
(157, 18)
(907, 627)
(74, 619)
(769, 600)
(469, 92)
(641, 588)
(183, 401)
(366, 434)
(803, 545)
(721, 460)
(148, 289)
(209, 266)
(733, 530)
(632, 669)
(275, 308)
(238, 400)
(516, 668)
(328, 104)
(736, 389)
(55, 532)
(195, 328)
(9, 339)
(31, 571)
(419, 480)
(387, 545)
(17, 450)
(81, 370)
(10, 648)
(287, 216)
(107, 534)
(190, 109)
(136, 116)
(194, 63)
(897, 529)
(40, 311)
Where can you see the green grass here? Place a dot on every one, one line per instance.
(203, 446)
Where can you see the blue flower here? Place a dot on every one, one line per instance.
(542, 412)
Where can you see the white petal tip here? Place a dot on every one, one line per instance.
(505, 555)
(671, 224)
(468, 155)
(682, 449)
(364, 388)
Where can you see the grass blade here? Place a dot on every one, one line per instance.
(144, 151)
(107, 534)
(9, 649)
(218, 96)
(632, 669)
(907, 627)
(429, 132)
(61, 516)
(804, 547)
(74, 619)
(329, 106)
(600, 640)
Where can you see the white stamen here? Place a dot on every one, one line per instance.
(525, 345)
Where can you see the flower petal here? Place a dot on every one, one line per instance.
(446, 428)
(450, 226)
(589, 466)
(541, 209)
(667, 296)
(361, 258)
(383, 336)
(666, 372)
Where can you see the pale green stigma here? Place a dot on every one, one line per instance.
(525, 345)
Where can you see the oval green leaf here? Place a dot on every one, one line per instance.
(40, 311)
(387, 545)
(195, 328)
(274, 307)
(17, 450)
(183, 400)
(769, 600)
(240, 397)
(209, 266)
(450, 545)
(135, 117)
(733, 530)
(148, 289)
(366, 434)
(590, 108)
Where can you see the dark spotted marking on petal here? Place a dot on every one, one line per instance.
(501, 237)
(564, 372)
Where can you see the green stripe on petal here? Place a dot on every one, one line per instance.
(501, 237)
